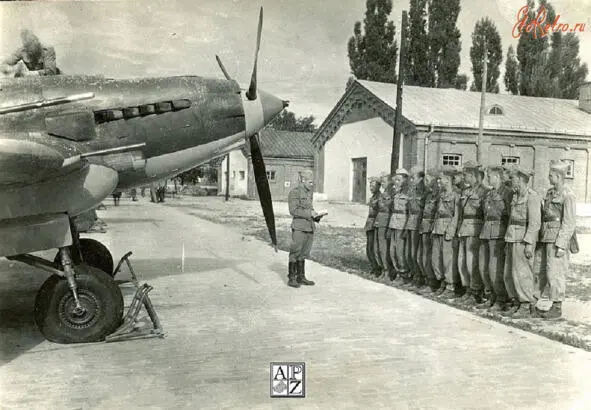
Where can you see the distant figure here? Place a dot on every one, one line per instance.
(116, 198)
(133, 194)
(32, 59)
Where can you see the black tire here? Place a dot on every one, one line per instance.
(97, 292)
(94, 254)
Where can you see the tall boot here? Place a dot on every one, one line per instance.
(555, 311)
(301, 269)
(293, 275)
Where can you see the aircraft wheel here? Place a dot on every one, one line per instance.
(94, 254)
(100, 298)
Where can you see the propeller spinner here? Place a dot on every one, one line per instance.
(259, 108)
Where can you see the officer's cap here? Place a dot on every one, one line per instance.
(375, 179)
(448, 171)
(401, 171)
(522, 171)
(416, 170)
(559, 166)
(472, 167)
(498, 169)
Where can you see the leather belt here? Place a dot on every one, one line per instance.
(398, 212)
(471, 217)
(518, 223)
(548, 219)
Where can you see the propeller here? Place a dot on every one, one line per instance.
(258, 164)
(251, 94)
(263, 189)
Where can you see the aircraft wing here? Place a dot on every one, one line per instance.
(25, 160)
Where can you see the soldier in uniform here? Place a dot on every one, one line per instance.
(416, 199)
(302, 229)
(557, 231)
(521, 237)
(425, 251)
(495, 207)
(370, 249)
(397, 225)
(470, 222)
(382, 238)
(444, 229)
(32, 59)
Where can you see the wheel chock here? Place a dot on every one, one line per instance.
(130, 329)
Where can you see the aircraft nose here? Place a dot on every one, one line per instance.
(271, 106)
(260, 111)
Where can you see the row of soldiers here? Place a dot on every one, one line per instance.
(478, 235)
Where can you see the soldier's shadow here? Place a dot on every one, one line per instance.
(281, 270)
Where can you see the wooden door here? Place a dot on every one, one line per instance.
(359, 179)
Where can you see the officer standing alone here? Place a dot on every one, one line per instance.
(302, 229)
(370, 248)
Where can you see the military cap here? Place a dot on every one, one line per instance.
(472, 167)
(496, 168)
(559, 166)
(375, 179)
(416, 170)
(525, 172)
(448, 171)
(401, 171)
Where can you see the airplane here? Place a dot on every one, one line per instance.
(67, 142)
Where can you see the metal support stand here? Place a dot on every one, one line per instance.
(128, 330)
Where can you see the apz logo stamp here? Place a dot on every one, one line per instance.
(288, 379)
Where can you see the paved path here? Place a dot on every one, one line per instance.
(228, 314)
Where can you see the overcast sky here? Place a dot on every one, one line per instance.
(303, 55)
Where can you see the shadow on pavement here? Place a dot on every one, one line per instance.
(281, 270)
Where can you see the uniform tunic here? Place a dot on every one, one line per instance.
(416, 200)
(496, 207)
(302, 225)
(397, 224)
(558, 226)
(523, 228)
(370, 232)
(444, 228)
(381, 224)
(470, 221)
(425, 227)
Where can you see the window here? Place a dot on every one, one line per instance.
(510, 161)
(570, 172)
(241, 175)
(271, 175)
(495, 110)
(451, 159)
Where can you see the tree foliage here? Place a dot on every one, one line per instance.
(511, 77)
(444, 41)
(549, 63)
(287, 121)
(373, 53)
(418, 70)
(485, 32)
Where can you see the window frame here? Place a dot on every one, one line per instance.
(460, 159)
(504, 159)
(271, 175)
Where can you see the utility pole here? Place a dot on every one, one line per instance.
(482, 104)
(228, 176)
(398, 119)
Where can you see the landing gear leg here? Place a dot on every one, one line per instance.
(70, 277)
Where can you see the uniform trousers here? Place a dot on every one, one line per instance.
(381, 247)
(552, 271)
(301, 245)
(412, 248)
(370, 250)
(491, 261)
(469, 247)
(398, 251)
(424, 256)
(519, 273)
(442, 260)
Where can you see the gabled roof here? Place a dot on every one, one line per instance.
(458, 108)
(284, 144)
(452, 108)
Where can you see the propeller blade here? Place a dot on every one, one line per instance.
(260, 176)
(223, 68)
(251, 94)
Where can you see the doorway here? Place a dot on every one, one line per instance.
(359, 179)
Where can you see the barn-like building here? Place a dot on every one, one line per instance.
(441, 127)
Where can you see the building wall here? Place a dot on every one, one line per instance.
(238, 175)
(283, 175)
(371, 139)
